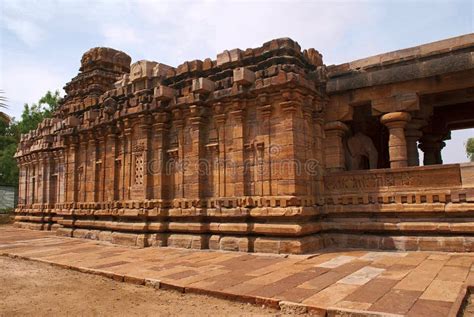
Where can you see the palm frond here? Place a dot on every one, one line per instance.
(3, 100)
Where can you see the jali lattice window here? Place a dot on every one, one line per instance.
(139, 169)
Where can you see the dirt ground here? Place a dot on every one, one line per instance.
(30, 288)
(6, 219)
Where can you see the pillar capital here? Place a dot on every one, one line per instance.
(395, 119)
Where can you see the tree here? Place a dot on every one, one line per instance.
(34, 114)
(8, 143)
(470, 149)
(10, 133)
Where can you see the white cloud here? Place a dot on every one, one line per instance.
(120, 36)
(26, 82)
(27, 31)
(26, 19)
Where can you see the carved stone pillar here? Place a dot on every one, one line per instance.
(318, 173)
(84, 170)
(92, 169)
(238, 154)
(72, 170)
(177, 155)
(334, 151)
(127, 160)
(296, 151)
(431, 145)
(145, 129)
(397, 145)
(413, 134)
(264, 147)
(220, 119)
(107, 164)
(195, 171)
(159, 166)
(42, 178)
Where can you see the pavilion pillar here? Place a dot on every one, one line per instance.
(397, 145)
(334, 152)
(431, 145)
(413, 134)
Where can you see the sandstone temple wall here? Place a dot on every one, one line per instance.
(247, 152)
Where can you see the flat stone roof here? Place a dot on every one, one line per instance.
(420, 51)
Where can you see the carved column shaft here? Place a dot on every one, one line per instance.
(318, 125)
(397, 146)
(294, 153)
(109, 176)
(413, 134)
(263, 150)
(334, 151)
(159, 168)
(238, 158)
(195, 171)
(221, 153)
(91, 165)
(147, 175)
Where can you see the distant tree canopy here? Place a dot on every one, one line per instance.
(470, 149)
(10, 133)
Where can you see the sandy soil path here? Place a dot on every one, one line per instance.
(31, 288)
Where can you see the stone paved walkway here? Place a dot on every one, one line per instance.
(401, 283)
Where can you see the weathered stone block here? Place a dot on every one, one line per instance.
(244, 76)
(203, 85)
(164, 93)
(142, 69)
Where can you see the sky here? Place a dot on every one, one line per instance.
(42, 41)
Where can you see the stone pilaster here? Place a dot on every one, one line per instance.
(177, 155)
(145, 130)
(238, 151)
(92, 168)
(127, 159)
(289, 154)
(334, 151)
(397, 145)
(108, 161)
(159, 168)
(195, 169)
(220, 153)
(264, 147)
(317, 170)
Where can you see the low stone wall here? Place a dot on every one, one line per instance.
(415, 208)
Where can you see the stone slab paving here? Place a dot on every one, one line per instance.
(328, 283)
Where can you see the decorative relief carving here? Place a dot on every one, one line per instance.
(379, 180)
(138, 147)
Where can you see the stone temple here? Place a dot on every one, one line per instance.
(259, 150)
